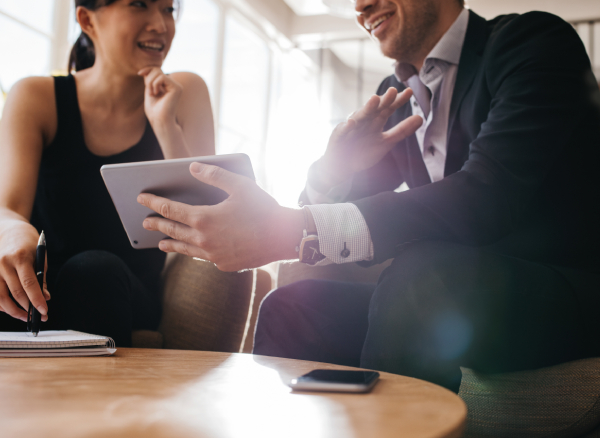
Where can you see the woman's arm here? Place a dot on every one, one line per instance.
(28, 123)
(178, 108)
(195, 115)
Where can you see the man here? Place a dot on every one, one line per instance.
(494, 247)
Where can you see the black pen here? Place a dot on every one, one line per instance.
(34, 317)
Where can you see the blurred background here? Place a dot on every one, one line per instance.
(281, 73)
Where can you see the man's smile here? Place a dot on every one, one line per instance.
(376, 24)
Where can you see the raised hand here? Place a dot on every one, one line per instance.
(360, 142)
(161, 97)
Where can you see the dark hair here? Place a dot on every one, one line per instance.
(83, 53)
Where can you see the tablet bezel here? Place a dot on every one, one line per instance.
(167, 178)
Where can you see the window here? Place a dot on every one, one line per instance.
(27, 26)
(195, 45)
(245, 94)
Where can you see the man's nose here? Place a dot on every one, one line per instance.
(364, 6)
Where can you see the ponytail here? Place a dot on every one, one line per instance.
(82, 54)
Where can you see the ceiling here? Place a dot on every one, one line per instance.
(569, 10)
(312, 27)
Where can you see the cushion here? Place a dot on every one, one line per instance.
(558, 401)
(146, 339)
(203, 308)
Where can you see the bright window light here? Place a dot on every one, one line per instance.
(245, 94)
(27, 54)
(194, 48)
(298, 129)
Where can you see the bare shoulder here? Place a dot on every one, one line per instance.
(38, 87)
(191, 82)
(33, 98)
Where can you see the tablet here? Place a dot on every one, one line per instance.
(167, 178)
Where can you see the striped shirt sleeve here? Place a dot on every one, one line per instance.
(343, 233)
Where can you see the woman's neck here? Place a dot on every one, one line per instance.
(111, 91)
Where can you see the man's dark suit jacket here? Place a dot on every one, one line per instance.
(523, 153)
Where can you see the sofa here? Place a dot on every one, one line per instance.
(206, 309)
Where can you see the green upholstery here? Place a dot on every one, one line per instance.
(561, 401)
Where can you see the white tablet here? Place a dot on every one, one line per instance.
(167, 178)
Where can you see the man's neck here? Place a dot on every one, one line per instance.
(449, 12)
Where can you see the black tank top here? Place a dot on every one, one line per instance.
(72, 204)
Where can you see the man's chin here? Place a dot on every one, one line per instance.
(387, 49)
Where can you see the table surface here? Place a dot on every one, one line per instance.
(168, 393)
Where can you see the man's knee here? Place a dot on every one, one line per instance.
(422, 293)
(287, 295)
(424, 270)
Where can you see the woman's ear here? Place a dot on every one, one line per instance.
(85, 19)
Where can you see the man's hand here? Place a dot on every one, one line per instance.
(360, 142)
(247, 230)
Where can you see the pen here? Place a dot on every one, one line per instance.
(34, 317)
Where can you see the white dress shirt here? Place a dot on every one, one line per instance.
(341, 226)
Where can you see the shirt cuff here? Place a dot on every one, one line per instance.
(338, 193)
(343, 233)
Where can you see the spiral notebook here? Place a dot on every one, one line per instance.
(54, 344)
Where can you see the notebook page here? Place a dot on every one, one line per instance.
(52, 339)
(56, 352)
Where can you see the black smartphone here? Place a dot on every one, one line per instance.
(335, 381)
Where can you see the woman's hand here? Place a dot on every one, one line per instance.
(161, 97)
(360, 142)
(18, 243)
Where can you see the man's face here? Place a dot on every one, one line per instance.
(400, 26)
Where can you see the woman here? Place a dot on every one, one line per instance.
(56, 133)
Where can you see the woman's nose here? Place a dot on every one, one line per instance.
(157, 23)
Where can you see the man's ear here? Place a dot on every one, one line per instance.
(85, 19)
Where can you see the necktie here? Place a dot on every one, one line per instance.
(408, 74)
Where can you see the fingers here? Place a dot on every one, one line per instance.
(174, 230)
(403, 129)
(176, 211)
(182, 248)
(387, 99)
(45, 288)
(218, 177)
(368, 111)
(8, 305)
(401, 99)
(155, 80)
(32, 288)
(383, 106)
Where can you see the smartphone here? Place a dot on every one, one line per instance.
(335, 381)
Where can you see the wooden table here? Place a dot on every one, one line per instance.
(172, 393)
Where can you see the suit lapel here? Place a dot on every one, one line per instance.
(470, 61)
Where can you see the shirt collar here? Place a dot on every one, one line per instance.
(450, 45)
(448, 48)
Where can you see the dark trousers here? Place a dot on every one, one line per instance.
(438, 307)
(95, 292)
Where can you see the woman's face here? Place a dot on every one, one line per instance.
(133, 34)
